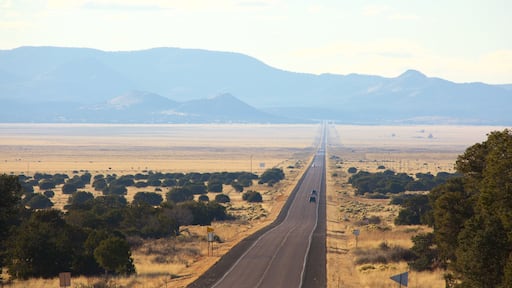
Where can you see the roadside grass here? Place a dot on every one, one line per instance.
(381, 249)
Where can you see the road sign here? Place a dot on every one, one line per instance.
(402, 279)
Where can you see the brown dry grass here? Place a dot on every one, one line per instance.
(406, 149)
(172, 262)
(122, 149)
(51, 148)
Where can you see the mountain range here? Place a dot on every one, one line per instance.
(173, 85)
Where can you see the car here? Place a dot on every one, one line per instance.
(312, 199)
(313, 192)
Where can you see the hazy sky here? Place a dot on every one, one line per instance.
(460, 40)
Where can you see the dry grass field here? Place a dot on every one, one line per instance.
(29, 148)
(122, 149)
(409, 149)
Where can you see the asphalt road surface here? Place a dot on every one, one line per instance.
(278, 258)
(288, 253)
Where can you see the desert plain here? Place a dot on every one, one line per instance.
(176, 262)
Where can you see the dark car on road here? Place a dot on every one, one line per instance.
(312, 199)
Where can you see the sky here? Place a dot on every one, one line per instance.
(458, 40)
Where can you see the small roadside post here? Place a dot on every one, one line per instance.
(356, 233)
(65, 279)
(210, 237)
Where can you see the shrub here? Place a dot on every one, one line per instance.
(271, 176)
(383, 254)
(237, 186)
(215, 186)
(252, 196)
(177, 195)
(154, 182)
(374, 219)
(150, 198)
(204, 198)
(46, 184)
(68, 188)
(39, 201)
(222, 198)
(99, 184)
(141, 184)
(49, 193)
(115, 189)
(352, 170)
(80, 197)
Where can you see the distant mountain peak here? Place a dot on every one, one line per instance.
(224, 96)
(412, 74)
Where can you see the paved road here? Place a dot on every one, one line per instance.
(278, 257)
(288, 253)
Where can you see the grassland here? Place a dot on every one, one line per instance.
(408, 149)
(122, 149)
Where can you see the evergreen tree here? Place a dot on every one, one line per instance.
(10, 205)
(113, 254)
(482, 252)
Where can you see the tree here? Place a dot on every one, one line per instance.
(352, 170)
(113, 254)
(483, 243)
(496, 186)
(39, 201)
(46, 184)
(77, 181)
(424, 249)
(68, 188)
(245, 179)
(99, 184)
(271, 176)
(49, 193)
(43, 246)
(115, 189)
(415, 211)
(237, 186)
(452, 205)
(204, 213)
(10, 205)
(150, 198)
(482, 252)
(215, 186)
(252, 196)
(80, 197)
(196, 188)
(177, 195)
(86, 178)
(222, 198)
